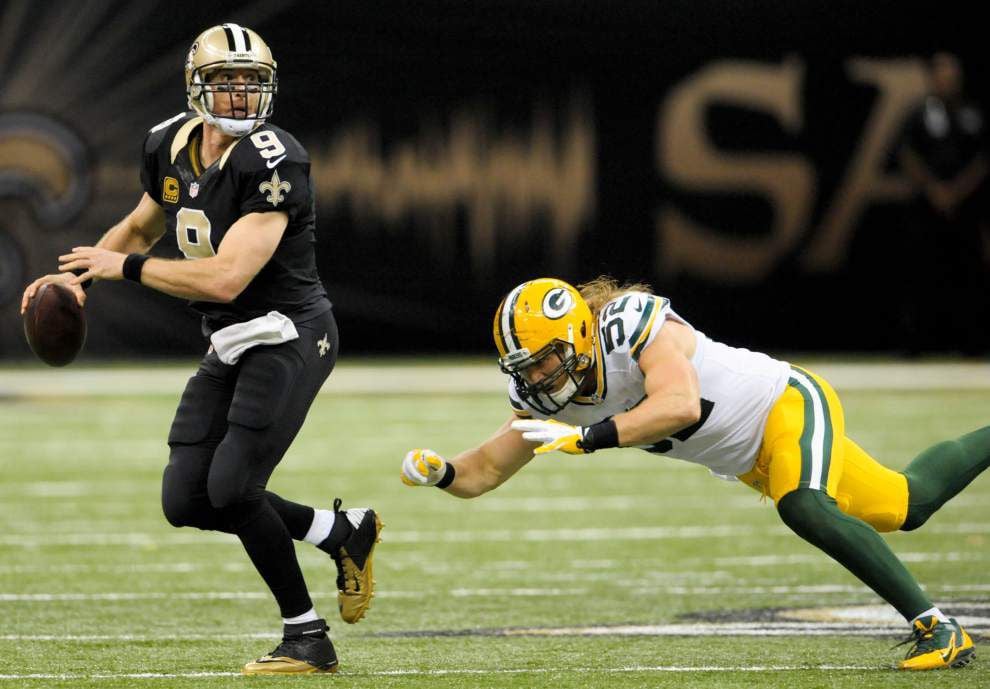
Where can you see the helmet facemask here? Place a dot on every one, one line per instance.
(206, 91)
(555, 389)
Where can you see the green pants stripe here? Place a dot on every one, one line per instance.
(816, 436)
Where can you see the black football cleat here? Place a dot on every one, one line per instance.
(305, 649)
(354, 559)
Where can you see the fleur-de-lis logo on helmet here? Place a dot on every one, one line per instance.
(274, 188)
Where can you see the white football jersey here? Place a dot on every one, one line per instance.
(738, 387)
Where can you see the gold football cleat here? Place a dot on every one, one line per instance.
(268, 665)
(355, 559)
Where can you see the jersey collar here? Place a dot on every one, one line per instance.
(182, 137)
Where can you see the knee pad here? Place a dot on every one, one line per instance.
(178, 511)
(235, 499)
(184, 500)
(231, 478)
(179, 505)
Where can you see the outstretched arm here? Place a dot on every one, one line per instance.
(672, 402)
(476, 471)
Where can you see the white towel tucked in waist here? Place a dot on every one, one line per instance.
(231, 342)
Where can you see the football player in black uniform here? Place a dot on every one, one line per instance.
(235, 191)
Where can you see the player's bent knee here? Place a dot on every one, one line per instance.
(924, 484)
(918, 514)
(183, 502)
(805, 509)
(224, 494)
(236, 503)
(229, 482)
(180, 509)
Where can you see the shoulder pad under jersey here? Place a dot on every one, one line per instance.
(628, 323)
(267, 148)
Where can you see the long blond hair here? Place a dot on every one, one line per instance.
(605, 288)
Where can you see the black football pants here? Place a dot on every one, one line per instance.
(233, 426)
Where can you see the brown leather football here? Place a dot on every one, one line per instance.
(54, 325)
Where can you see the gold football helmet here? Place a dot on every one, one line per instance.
(538, 319)
(230, 46)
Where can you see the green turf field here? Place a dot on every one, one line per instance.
(622, 569)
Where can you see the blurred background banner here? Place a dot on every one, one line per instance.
(741, 157)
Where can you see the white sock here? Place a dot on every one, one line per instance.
(321, 526)
(931, 611)
(308, 616)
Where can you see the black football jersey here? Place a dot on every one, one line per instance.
(267, 170)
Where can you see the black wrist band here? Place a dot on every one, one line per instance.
(85, 285)
(133, 265)
(600, 435)
(448, 476)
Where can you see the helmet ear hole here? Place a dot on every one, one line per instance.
(584, 329)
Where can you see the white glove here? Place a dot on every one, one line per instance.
(553, 435)
(422, 468)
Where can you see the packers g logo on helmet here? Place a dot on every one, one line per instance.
(557, 303)
(537, 320)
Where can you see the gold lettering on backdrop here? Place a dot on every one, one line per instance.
(505, 180)
(900, 85)
(688, 159)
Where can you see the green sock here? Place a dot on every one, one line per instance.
(943, 470)
(855, 545)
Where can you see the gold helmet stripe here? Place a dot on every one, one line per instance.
(508, 320)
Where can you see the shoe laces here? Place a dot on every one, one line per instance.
(278, 652)
(923, 637)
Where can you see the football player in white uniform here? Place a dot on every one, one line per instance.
(614, 366)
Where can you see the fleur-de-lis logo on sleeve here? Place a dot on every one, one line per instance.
(274, 188)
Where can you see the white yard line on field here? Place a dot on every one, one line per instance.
(672, 630)
(645, 533)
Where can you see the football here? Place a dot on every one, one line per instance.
(54, 325)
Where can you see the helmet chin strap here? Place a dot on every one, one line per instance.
(233, 127)
(566, 393)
